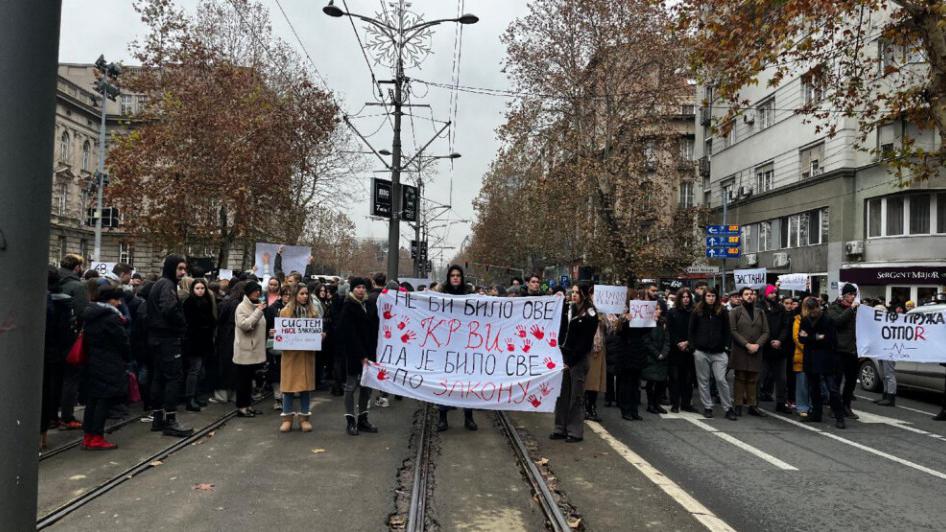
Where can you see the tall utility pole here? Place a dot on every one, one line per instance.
(398, 38)
(29, 46)
(108, 73)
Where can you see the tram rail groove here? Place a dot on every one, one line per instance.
(416, 516)
(62, 511)
(553, 513)
(75, 443)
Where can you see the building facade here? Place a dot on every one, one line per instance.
(809, 203)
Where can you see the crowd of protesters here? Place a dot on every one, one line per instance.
(183, 340)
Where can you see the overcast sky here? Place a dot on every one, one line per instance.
(107, 26)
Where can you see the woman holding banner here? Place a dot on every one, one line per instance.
(298, 367)
(582, 326)
(456, 285)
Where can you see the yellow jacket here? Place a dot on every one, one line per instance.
(799, 358)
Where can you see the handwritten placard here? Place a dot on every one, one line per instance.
(915, 337)
(641, 313)
(794, 281)
(610, 299)
(753, 278)
(469, 351)
(298, 334)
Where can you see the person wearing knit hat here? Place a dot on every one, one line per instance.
(354, 331)
(774, 352)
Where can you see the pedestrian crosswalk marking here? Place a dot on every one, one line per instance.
(697, 420)
(867, 417)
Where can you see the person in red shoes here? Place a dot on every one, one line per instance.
(104, 378)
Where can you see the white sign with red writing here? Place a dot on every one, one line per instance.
(469, 351)
(610, 299)
(914, 337)
(641, 313)
(298, 334)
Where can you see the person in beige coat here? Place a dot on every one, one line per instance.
(596, 380)
(297, 368)
(249, 346)
(750, 331)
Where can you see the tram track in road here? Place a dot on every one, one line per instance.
(146, 464)
(423, 452)
(75, 443)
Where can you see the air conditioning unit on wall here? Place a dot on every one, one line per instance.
(752, 259)
(780, 260)
(854, 247)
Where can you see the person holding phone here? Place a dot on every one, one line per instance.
(249, 345)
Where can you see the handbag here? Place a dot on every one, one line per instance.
(134, 391)
(77, 355)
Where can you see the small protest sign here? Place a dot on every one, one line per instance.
(610, 299)
(753, 278)
(103, 268)
(794, 281)
(298, 334)
(469, 351)
(224, 273)
(914, 337)
(641, 313)
(294, 258)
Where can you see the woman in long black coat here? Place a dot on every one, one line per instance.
(222, 371)
(821, 363)
(200, 311)
(354, 328)
(104, 377)
(682, 369)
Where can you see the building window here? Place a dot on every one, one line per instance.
(61, 249)
(811, 94)
(765, 236)
(688, 109)
(750, 238)
(894, 225)
(63, 199)
(825, 224)
(874, 217)
(86, 155)
(84, 250)
(708, 147)
(812, 161)
(765, 113)
(64, 147)
(783, 232)
(889, 138)
(707, 197)
(764, 176)
(128, 104)
(686, 148)
(730, 137)
(686, 194)
(919, 214)
(126, 253)
(728, 187)
(941, 213)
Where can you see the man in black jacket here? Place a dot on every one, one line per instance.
(354, 330)
(773, 353)
(843, 313)
(166, 328)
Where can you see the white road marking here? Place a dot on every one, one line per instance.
(699, 512)
(864, 448)
(917, 410)
(698, 420)
(867, 417)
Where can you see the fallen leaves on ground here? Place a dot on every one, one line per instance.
(156, 463)
(318, 451)
(204, 486)
(542, 461)
(574, 522)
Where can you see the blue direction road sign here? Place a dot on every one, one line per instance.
(722, 230)
(723, 252)
(565, 280)
(722, 241)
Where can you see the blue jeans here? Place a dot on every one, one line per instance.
(802, 401)
(304, 408)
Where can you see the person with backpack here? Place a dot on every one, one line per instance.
(60, 334)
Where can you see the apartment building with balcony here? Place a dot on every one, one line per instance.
(810, 203)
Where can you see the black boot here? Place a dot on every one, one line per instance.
(192, 405)
(173, 428)
(891, 400)
(593, 410)
(442, 421)
(157, 420)
(352, 428)
(738, 411)
(850, 413)
(364, 425)
(200, 403)
(468, 420)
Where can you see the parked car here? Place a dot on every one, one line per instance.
(929, 376)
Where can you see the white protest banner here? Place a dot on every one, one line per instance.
(914, 337)
(794, 281)
(469, 351)
(610, 299)
(224, 273)
(641, 313)
(298, 334)
(753, 278)
(103, 267)
(294, 258)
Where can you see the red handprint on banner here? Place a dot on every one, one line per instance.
(387, 332)
(538, 332)
(382, 374)
(384, 291)
(526, 345)
(549, 363)
(536, 402)
(387, 311)
(408, 336)
(509, 345)
(545, 389)
(553, 340)
(520, 331)
(403, 323)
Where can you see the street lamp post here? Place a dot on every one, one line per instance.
(399, 36)
(104, 85)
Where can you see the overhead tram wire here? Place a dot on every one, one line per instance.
(298, 39)
(374, 80)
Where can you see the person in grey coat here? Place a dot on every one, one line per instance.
(750, 332)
